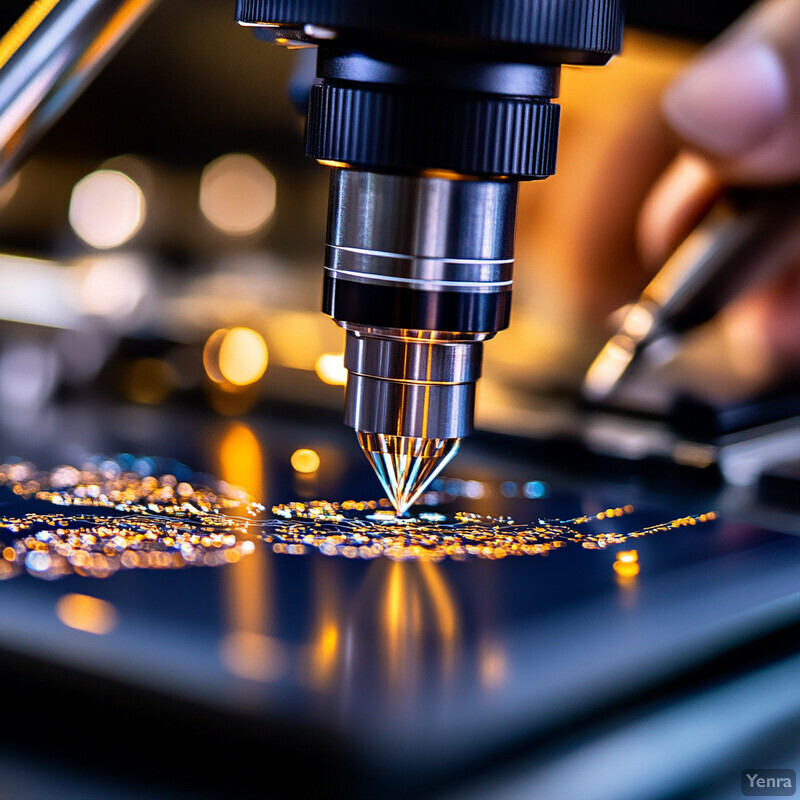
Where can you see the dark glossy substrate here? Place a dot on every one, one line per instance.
(374, 678)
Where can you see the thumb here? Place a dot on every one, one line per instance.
(738, 103)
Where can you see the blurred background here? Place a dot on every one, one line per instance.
(160, 282)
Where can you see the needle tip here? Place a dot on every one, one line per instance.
(406, 465)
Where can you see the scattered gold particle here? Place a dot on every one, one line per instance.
(110, 518)
(339, 529)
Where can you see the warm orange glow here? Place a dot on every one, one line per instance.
(8, 191)
(445, 174)
(211, 355)
(253, 656)
(246, 650)
(85, 613)
(626, 569)
(394, 619)
(237, 356)
(124, 18)
(628, 556)
(31, 18)
(443, 604)
(242, 356)
(445, 612)
(241, 459)
(238, 194)
(335, 164)
(325, 650)
(493, 665)
(330, 369)
(305, 461)
(295, 338)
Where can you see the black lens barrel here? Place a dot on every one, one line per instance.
(560, 31)
(462, 86)
(408, 130)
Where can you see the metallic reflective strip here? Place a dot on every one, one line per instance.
(24, 27)
(420, 283)
(47, 60)
(395, 215)
(413, 362)
(428, 268)
(376, 405)
(412, 257)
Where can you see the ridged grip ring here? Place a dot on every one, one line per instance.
(576, 31)
(402, 130)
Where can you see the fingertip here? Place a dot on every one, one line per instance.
(732, 98)
(677, 201)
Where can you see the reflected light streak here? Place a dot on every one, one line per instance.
(327, 646)
(246, 650)
(111, 35)
(253, 656)
(626, 572)
(330, 369)
(326, 642)
(241, 459)
(394, 620)
(607, 369)
(85, 613)
(32, 17)
(492, 665)
(445, 610)
(237, 194)
(626, 569)
(107, 208)
(418, 608)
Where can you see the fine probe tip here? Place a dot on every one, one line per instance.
(406, 465)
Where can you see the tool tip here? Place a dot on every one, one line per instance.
(609, 368)
(406, 465)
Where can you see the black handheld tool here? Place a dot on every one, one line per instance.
(745, 238)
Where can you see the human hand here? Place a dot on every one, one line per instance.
(737, 110)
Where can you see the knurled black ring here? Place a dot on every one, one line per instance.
(573, 26)
(392, 128)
